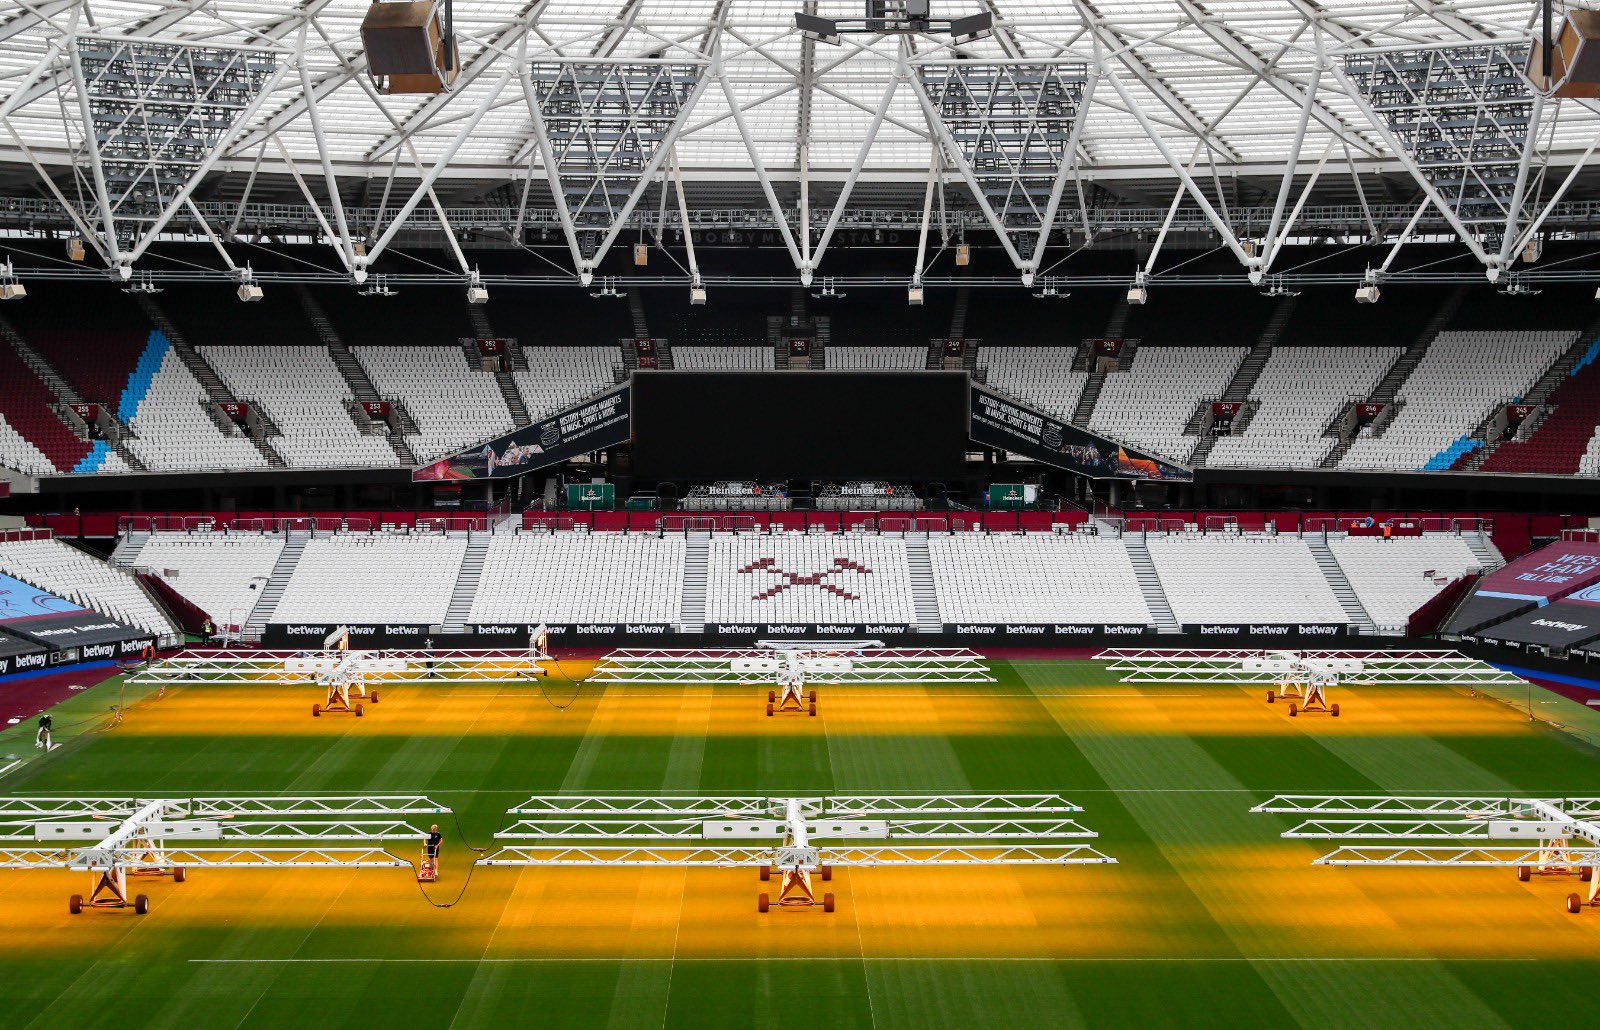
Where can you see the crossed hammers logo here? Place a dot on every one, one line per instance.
(805, 579)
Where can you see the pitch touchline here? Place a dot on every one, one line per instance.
(832, 958)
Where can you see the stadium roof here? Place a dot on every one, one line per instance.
(1215, 89)
(1230, 73)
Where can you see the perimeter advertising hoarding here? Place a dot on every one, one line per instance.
(599, 422)
(997, 421)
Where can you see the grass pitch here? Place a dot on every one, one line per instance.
(1210, 917)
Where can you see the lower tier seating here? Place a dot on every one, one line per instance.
(1038, 578)
(371, 578)
(72, 574)
(1392, 578)
(816, 578)
(1269, 579)
(220, 573)
(580, 577)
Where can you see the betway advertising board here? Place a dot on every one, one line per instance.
(1532, 581)
(1559, 625)
(600, 422)
(997, 421)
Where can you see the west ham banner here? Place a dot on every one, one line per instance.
(998, 421)
(602, 421)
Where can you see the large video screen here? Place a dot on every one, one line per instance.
(892, 426)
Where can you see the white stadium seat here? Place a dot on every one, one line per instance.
(220, 573)
(1148, 405)
(1394, 577)
(559, 377)
(1036, 578)
(1300, 392)
(373, 578)
(794, 577)
(580, 577)
(303, 393)
(1215, 578)
(1041, 376)
(701, 357)
(453, 404)
(69, 573)
(876, 358)
(1452, 390)
(173, 432)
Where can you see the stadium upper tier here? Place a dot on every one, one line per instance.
(329, 380)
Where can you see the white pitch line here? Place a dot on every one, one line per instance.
(1087, 959)
(12, 766)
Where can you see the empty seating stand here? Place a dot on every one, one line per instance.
(558, 377)
(1451, 392)
(362, 577)
(754, 358)
(1037, 578)
(222, 574)
(33, 439)
(563, 578)
(1300, 392)
(453, 404)
(1394, 577)
(303, 393)
(807, 578)
(1041, 376)
(72, 574)
(1150, 404)
(1567, 436)
(1220, 578)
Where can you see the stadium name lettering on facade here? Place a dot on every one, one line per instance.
(1563, 569)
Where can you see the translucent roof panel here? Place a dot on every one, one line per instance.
(1223, 81)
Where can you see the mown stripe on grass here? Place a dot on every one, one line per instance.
(1418, 994)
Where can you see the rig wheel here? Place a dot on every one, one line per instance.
(316, 710)
(827, 902)
(360, 710)
(1586, 873)
(772, 695)
(141, 904)
(827, 872)
(1272, 696)
(811, 695)
(1333, 710)
(769, 707)
(766, 873)
(75, 904)
(813, 709)
(1294, 710)
(374, 697)
(1524, 874)
(1574, 904)
(180, 874)
(762, 902)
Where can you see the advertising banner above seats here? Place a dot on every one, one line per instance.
(998, 421)
(1532, 581)
(603, 421)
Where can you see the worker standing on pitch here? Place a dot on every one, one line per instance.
(42, 738)
(435, 839)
